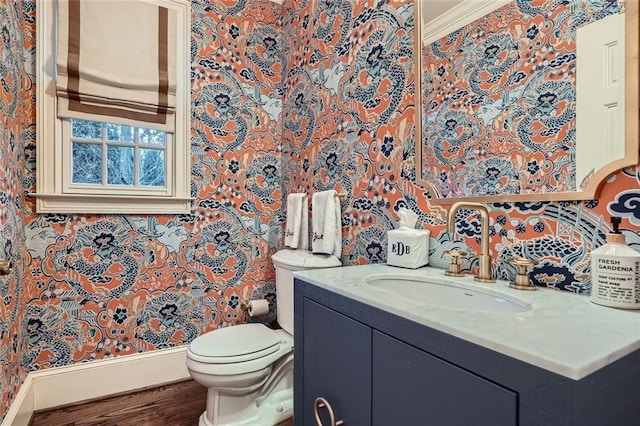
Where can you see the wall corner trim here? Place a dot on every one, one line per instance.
(81, 382)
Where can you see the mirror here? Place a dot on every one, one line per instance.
(524, 100)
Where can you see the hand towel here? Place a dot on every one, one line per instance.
(326, 224)
(296, 234)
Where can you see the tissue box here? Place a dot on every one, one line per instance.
(408, 248)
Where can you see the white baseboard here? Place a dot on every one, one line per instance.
(75, 383)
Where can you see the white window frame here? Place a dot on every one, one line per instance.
(55, 193)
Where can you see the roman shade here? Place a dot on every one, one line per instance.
(116, 62)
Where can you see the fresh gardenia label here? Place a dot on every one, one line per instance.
(617, 280)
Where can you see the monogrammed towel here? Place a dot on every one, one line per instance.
(326, 224)
(296, 234)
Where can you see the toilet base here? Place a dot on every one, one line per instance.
(277, 408)
(264, 404)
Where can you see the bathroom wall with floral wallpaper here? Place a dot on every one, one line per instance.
(305, 96)
(348, 122)
(16, 130)
(90, 287)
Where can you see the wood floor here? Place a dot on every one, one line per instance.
(178, 404)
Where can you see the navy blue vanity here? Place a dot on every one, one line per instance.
(375, 359)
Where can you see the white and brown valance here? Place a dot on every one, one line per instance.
(116, 62)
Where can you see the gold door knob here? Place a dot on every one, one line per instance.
(323, 403)
(522, 281)
(454, 266)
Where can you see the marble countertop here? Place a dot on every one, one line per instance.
(562, 332)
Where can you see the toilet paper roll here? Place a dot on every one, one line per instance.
(258, 307)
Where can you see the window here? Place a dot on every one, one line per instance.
(111, 166)
(105, 155)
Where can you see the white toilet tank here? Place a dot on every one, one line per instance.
(286, 262)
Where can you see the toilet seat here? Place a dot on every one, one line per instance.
(240, 343)
(256, 347)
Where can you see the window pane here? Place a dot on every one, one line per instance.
(155, 137)
(87, 163)
(116, 132)
(119, 165)
(152, 167)
(86, 129)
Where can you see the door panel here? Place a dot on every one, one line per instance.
(412, 387)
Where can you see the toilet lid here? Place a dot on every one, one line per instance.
(238, 343)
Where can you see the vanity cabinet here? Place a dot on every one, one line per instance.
(368, 377)
(337, 366)
(377, 368)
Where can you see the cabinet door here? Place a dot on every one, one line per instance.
(412, 387)
(337, 366)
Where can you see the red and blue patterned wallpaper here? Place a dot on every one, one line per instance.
(348, 124)
(17, 127)
(90, 287)
(498, 120)
(107, 285)
(305, 96)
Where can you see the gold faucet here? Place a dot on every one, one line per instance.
(484, 270)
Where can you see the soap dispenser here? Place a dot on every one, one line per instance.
(615, 272)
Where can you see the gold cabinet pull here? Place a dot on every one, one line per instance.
(323, 403)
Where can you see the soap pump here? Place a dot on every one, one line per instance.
(615, 272)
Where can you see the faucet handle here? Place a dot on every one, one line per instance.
(454, 253)
(454, 266)
(522, 281)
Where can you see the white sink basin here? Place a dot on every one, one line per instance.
(449, 295)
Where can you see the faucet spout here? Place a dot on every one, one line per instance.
(484, 269)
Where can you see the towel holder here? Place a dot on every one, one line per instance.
(341, 195)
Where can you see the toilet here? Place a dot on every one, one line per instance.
(248, 368)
